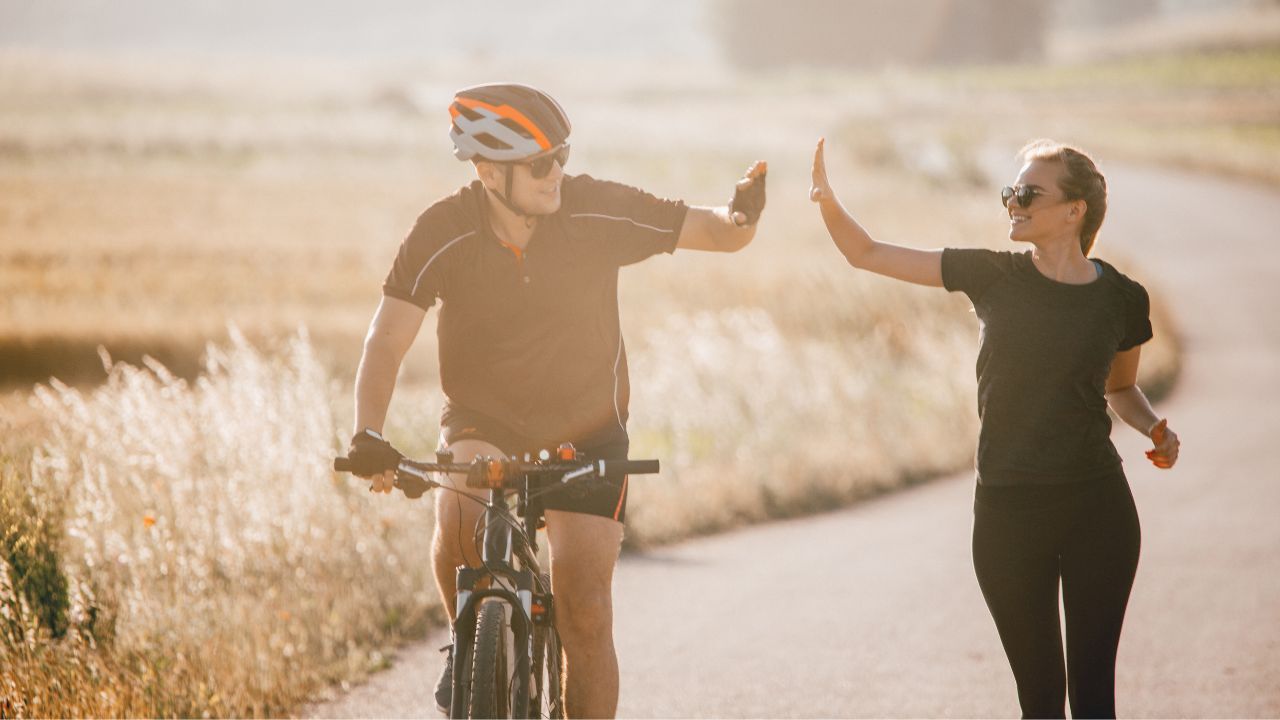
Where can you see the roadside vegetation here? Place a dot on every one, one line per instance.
(1213, 111)
(179, 549)
(172, 542)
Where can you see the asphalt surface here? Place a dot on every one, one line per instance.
(874, 611)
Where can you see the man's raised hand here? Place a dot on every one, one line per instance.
(748, 195)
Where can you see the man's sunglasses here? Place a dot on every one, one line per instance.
(540, 166)
(1024, 193)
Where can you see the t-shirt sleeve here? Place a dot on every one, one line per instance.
(628, 223)
(415, 275)
(971, 270)
(1137, 325)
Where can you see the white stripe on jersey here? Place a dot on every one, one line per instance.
(627, 219)
(423, 271)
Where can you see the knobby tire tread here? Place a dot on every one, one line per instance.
(489, 665)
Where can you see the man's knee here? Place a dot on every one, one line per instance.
(584, 549)
(454, 540)
(448, 551)
(584, 616)
(457, 516)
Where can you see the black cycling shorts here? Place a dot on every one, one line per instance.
(605, 498)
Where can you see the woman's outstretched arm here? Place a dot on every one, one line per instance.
(1130, 405)
(923, 267)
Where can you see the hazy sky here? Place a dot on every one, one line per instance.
(369, 28)
(635, 31)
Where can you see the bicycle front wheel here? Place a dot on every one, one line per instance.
(548, 698)
(489, 665)
(548, 701)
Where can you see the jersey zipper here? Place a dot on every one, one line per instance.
(524, 275)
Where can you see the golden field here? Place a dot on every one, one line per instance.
(174, 542)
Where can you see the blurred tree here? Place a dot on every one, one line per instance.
(762, 34)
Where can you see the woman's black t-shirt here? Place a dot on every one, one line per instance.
(1045, 350)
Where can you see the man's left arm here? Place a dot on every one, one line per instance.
(731, 227)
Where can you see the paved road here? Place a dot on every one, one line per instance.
(873, 611)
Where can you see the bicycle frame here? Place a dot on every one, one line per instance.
(509, 560)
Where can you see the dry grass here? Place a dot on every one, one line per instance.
(208, 553)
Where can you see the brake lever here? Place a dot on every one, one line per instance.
(580, 472)
(412, 483)
(577, 484)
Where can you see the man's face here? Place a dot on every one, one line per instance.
(533, 195)
(537, 196)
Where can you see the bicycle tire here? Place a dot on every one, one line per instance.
(489, 677)
(548, 700)
(550, 697)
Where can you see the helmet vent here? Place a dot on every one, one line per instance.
(516, 127)
(467, 112)
(491, 142)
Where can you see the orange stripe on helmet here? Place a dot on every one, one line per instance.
(506, 111)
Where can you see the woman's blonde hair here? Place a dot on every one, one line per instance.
(1080, 180)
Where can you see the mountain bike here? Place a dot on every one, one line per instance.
(506, 651)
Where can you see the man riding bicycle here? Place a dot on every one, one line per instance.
(524, 263)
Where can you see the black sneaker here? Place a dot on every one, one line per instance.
(444, 686)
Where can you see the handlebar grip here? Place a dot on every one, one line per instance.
(342, 464)
(632, 467)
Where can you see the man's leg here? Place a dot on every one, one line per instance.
(456, 518)
(584, 552)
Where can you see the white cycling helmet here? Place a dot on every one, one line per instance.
(505, 122)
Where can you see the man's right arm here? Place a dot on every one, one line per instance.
(393, 329)
(395, 325)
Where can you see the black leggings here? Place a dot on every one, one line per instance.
(1027, 538)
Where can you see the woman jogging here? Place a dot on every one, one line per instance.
(1060, 342)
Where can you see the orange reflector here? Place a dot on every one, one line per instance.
(495, 474)
(566, 451)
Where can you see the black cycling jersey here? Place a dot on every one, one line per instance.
(531, 338)
(1044, 355)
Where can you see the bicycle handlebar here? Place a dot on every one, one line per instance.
(606, 468)
(504, 473)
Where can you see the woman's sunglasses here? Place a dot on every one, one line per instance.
(1024, 193)
(540, 167)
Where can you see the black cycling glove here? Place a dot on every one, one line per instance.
(749, 201)
(371, 455)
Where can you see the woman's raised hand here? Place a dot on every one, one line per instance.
(820, 190)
